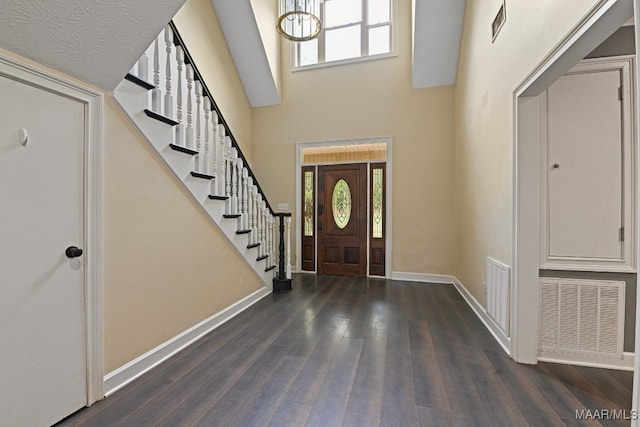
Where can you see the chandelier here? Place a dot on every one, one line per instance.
(299, 20)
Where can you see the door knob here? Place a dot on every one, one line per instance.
(556, 166)
(73, 252)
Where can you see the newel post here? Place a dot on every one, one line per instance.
(281, 282)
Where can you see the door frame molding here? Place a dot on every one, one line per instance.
(34, 75)
(388, 223)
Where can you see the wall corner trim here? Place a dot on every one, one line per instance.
(122, 376)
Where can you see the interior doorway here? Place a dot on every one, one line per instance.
(603, 20)
(343, 190)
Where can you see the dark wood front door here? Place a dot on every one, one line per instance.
(342, 219)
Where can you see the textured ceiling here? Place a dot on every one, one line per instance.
(94, 40)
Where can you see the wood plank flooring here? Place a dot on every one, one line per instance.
(345, 351)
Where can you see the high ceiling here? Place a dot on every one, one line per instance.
(99, 41)
(436, 25)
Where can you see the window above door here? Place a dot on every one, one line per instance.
(353, 30)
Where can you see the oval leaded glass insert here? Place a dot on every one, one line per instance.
(341, 201)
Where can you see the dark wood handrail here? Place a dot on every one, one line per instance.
(189, 60)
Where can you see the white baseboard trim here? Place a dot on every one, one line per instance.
(481, 312)
(422, 277)
(624, 364)
(122, 376)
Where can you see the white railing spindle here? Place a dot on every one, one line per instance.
(207, 134)
(188, 133)
(250, 209)
(227, 179)
(156, 93)
(143, 67)
(272, 253)
(287, 265)
(261, 248)
(198, 130)
(213, 166)
(168, 97)
(245, 199)
(234, 181)
(179, 128)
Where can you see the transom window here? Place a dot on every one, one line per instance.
(351, 29)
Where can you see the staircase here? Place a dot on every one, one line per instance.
(166, 98)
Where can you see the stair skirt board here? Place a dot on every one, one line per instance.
(122, 376)
(133, 101)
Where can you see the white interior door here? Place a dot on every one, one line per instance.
(585, 167)
(43, 369)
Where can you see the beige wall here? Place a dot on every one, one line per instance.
(488, 73)
(371, 99)
(199, 27)
(167, 266)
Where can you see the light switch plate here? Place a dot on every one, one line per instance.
(283, 206)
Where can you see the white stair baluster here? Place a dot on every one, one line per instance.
(265, 233)
(179, 128)
(287, 265)
(234, 181)
(156, 93)
(143, 67)
(227, 180)
(245, 199)
(213, 167)
(222, 163)
(189, 130)
(199, 149)
(261, 248)
(168, 97)
(238, 177)
(272, 259)
(207, 135)
(250, 209)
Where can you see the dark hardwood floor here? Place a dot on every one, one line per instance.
(344, 351)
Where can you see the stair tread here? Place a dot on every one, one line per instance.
(270, 268)
(201, 175)
(231, 216)
(214, 197)
(160, 117)
(183, 149)
(253, 245)
(140, 82)
(247, 231)
(260, 258)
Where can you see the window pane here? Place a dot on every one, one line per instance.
(342, 43)
(377, 204)
(308, 203)
(308, 52)
(378, 12)
(379, 40)
(341, 12)
(341, 203)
